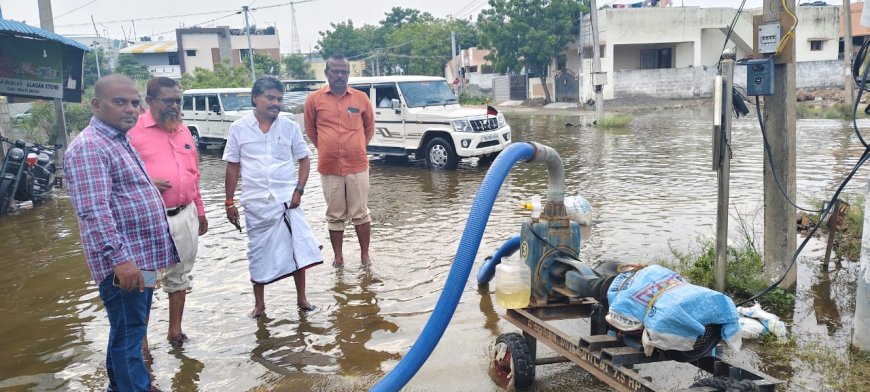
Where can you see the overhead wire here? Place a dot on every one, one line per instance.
(74, 9)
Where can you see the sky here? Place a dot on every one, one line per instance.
(117, 18)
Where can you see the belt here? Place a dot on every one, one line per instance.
(175, 211)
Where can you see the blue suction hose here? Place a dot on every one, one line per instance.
(462, 263)
(487, 270)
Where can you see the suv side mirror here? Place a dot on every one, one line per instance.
(396, 105)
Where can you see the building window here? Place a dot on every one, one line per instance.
(173, 59)
(190, 52)
(243, 54)
(816, 45)
(656, 58)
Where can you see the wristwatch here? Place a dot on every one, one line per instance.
(301, 191)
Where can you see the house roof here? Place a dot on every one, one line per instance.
(151, 47)
(21, 29)
(858, 29)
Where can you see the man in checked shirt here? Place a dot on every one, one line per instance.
(122, 223)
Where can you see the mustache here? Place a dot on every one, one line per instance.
(275, 107)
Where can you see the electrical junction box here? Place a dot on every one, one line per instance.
(759, 77)
(768, 37)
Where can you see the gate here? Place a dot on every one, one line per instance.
(519, 88)
(567, 87)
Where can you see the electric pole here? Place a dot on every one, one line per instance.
(598, 78)
(580, 53)
(250, 47)
(46, 21)
(846, 16)
(780, 124)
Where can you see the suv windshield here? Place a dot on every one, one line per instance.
(236, 101)
(428, 93)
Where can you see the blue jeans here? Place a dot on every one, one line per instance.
(128, 315)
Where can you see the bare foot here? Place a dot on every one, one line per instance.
(338, 263)
(258, 311)
(305, 306)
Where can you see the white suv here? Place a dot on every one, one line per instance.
(421, 116)
(209, 112)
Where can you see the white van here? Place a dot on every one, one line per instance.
(421, 116)
(209, 112)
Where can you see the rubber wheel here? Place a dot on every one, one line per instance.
(440, 155)
(5, 196)
(194, 133)
(512, 362)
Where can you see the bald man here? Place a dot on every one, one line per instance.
(122, 223)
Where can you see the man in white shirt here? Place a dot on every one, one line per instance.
(280, 242)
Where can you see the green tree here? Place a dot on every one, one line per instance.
(90, 66)
(263, 64)
(224, 75)
(296, 67)
(528, 33)
(40, 126)
(347, 40)
(127, 65)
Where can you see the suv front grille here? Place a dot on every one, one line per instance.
(484, 125)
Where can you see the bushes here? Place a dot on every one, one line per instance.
(617, 120)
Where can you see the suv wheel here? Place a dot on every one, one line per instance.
(194, 133)
(440, 155)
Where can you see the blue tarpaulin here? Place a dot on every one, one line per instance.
(21, 29)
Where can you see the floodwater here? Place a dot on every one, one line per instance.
(651, 187)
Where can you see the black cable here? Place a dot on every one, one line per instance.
(812, 232)
(856, 68)
(770, 160)
(730, 30)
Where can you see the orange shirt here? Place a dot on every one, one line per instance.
(340, 128)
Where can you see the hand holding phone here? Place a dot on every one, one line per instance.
(149, 280)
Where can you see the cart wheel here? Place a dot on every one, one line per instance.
(512, 361)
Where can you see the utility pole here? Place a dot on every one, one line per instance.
(46, 21)
(94, 45)
(453, 51)
(724, 160)
(846, 16)
(597, 76)
(580, 53)
(780, 124)
(250, 47)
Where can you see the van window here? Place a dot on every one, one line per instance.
(188, 103)
(198, 102)
(385, 93)
(237, 101)
(364, 88)
(213, 104)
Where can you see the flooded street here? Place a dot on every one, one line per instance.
(651, 186)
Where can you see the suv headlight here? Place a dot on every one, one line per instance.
(501, 121)
(462, 126)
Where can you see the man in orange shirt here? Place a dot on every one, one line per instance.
(340, 122)
(169, 153)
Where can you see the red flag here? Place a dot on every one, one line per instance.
(490, 111)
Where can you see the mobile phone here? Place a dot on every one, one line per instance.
(150, 278)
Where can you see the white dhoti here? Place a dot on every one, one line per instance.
(279, 241)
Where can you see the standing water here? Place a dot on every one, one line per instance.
(650, 186)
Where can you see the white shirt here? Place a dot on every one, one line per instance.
(268, 160)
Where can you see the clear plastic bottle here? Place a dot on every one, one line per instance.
(513, 283)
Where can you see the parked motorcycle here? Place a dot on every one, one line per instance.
(28, 173)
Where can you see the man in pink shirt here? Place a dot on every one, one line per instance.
(167, 148)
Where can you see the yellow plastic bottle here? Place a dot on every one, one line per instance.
(513, 283)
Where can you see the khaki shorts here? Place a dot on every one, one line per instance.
(184, 229)
(346, 197)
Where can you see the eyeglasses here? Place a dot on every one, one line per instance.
(169, 101)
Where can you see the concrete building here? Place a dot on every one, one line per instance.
(161, 57)
(200, 47)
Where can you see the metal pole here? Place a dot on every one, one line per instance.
(97, 58)
(580, 47)
(46, 21)
(724, 171)
(250, 47)
(846, 17)
(596, 65)
(780, 232)
(453, 51)
(861, 329)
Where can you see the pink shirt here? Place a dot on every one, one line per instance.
(169, 156)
